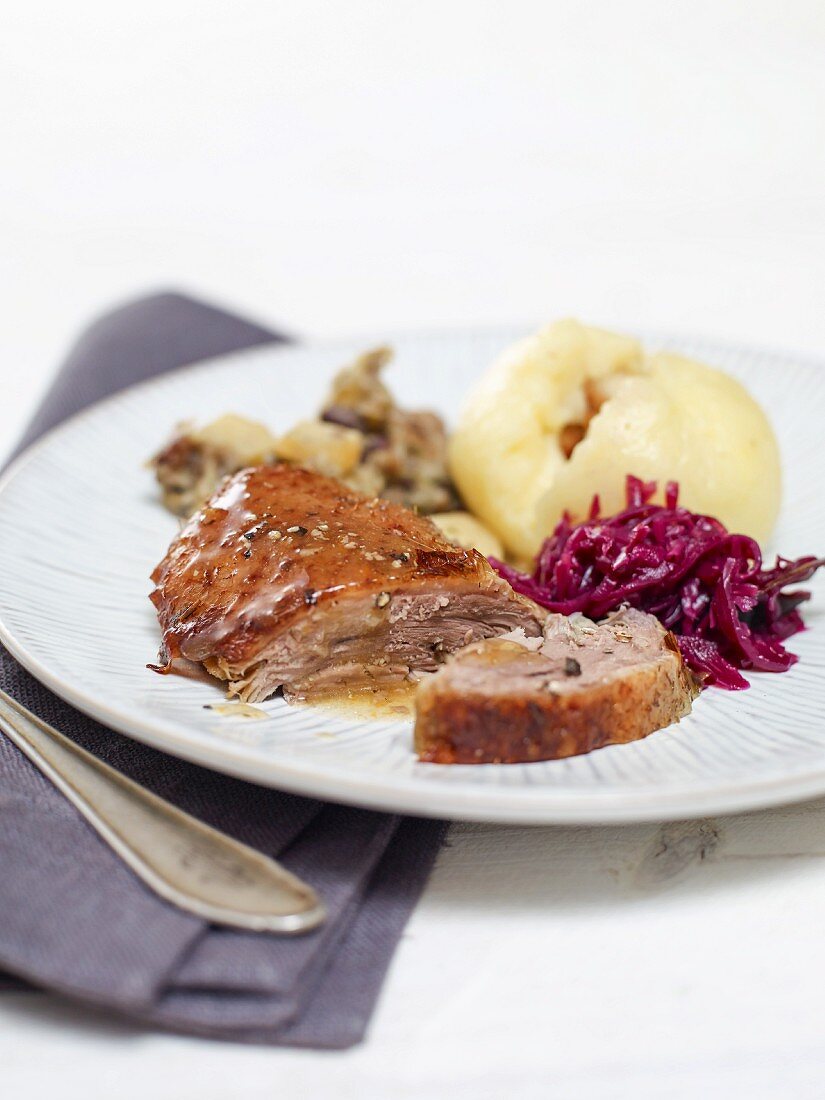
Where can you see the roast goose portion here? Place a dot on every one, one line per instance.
(583, 686)
(286, 578)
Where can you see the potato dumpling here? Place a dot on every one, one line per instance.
(572, 410)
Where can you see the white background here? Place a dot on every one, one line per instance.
(342, 167)
(354, 167)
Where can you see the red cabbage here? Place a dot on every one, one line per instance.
(708, 586)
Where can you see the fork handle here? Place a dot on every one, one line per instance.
(189, 864)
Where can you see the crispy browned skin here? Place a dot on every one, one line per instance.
(286, 576)
(498, 702)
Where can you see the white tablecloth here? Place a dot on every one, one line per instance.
(343, 168)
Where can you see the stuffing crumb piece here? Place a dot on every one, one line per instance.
(360, 437)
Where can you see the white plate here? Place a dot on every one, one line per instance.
(81, 528)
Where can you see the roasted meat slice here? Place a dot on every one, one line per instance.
(513, 700)
(289, 579)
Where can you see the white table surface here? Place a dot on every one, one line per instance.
(343, 168)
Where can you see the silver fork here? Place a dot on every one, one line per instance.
(189, 864)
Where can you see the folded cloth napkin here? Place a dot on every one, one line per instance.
(75, 920)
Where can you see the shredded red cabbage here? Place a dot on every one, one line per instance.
(708, 586)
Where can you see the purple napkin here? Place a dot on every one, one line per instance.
(73, 918)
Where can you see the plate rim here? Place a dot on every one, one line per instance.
(516, 806)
